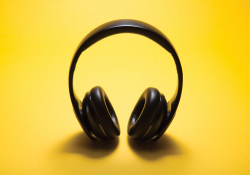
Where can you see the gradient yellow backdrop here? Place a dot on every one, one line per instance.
(38, 130)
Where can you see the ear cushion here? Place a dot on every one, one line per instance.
(103, 114)
(144, 113)
(158, 121)
(92, 120)
(167, 119)
(83, 119)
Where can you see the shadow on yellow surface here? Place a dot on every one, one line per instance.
(81, 144)
(148, 150)
(152, 150)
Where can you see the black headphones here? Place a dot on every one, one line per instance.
(152, 114)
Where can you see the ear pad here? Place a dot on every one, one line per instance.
(158, 121)
(83, 118)
(166, 121)
(101, 116)
(148, 115)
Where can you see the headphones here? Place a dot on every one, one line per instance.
(152, 114)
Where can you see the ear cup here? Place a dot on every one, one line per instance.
(157, 121)
(167, 119)
(93, 120)
(147, 115)
(83, 118)
(101, 115)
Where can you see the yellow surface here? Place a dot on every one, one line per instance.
(38, 130)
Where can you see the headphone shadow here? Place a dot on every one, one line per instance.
(152, 150)
(81, 144)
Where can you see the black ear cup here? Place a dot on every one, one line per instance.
(148, 116)
(100, 117)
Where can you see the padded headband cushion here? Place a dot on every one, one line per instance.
(105, 112)
(143, 113)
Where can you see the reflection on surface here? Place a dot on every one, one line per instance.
(81, 144)
(152, 150)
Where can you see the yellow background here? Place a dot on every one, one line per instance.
(38, 130)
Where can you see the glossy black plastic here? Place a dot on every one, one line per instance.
(101, 120)
(147, 116)
(128, 26)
